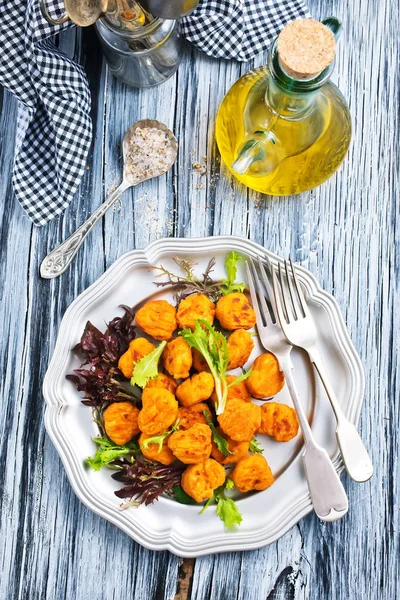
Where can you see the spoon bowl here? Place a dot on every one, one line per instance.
(128, 140)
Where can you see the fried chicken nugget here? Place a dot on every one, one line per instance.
(199, 362)
(240, 346)
(138, 348)
(199, 481)
(160, 410)
(158, 319)
(121, 422)
(239, 390)
(163, 381)
(191, 446)
(234, 312)
(238, 449)
(197, 306)
(152, 452)
(177, 358)
(192, 415)
(196, 389)
(252, 473)
(279, 420)
(240, 420)
(266, 379)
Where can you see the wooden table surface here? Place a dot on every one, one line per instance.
(347, 232)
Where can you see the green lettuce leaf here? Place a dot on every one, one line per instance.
(147, 367)
(228, 511)
(213, 346)
(241, 378)
(108, 451)
(158, 439)
(255, 446)
(228, 285)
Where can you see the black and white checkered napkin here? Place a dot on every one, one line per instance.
(239, 29)
(54, 129)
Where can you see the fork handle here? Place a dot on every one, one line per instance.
(327, 492)
(354, 453)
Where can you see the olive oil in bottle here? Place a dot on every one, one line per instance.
(285, 128)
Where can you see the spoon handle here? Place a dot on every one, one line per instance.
(61, 257)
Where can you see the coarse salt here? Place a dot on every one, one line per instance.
(150, 154)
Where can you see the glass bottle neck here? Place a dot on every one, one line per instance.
(291, 98)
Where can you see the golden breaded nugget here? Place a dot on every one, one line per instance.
(234, 312)
(191, 446)
(163, 456)
(138, 348)
(199, 481)
(240, 346)
(177, 358)
(121, 422)
(194, 307)
(240, 420)
(192, 415)
(196, 389)
(238, 449)
(266, 379)
(252, 473)
(160, 410)
(199, 362)
(235, 391)
(279, 420)
(158, 319)
(163, 381)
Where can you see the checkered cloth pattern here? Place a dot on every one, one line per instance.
(54, 129)
(239, 29)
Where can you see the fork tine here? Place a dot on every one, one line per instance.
(293, 295)
(253, 294)
(299, 291)
(278, 298)
(270, 292)
(261, 295)
(287, 304)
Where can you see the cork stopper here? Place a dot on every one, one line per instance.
(305, 48)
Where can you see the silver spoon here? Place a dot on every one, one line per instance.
(60, 258)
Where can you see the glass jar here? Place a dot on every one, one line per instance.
(141, 57)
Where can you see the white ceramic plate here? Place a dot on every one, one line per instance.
(166, 524)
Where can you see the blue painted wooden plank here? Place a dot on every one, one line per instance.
(347, 232)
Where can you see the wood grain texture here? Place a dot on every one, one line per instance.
(347, 232)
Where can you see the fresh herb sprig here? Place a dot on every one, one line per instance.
(147, 367)
(107, 452)
(159, 439)
(188, 284)
(213, 347)
(220, 441)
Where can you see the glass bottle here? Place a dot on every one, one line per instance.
(282, 135)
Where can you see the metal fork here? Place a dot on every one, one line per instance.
(327, 492)
(298, 326)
